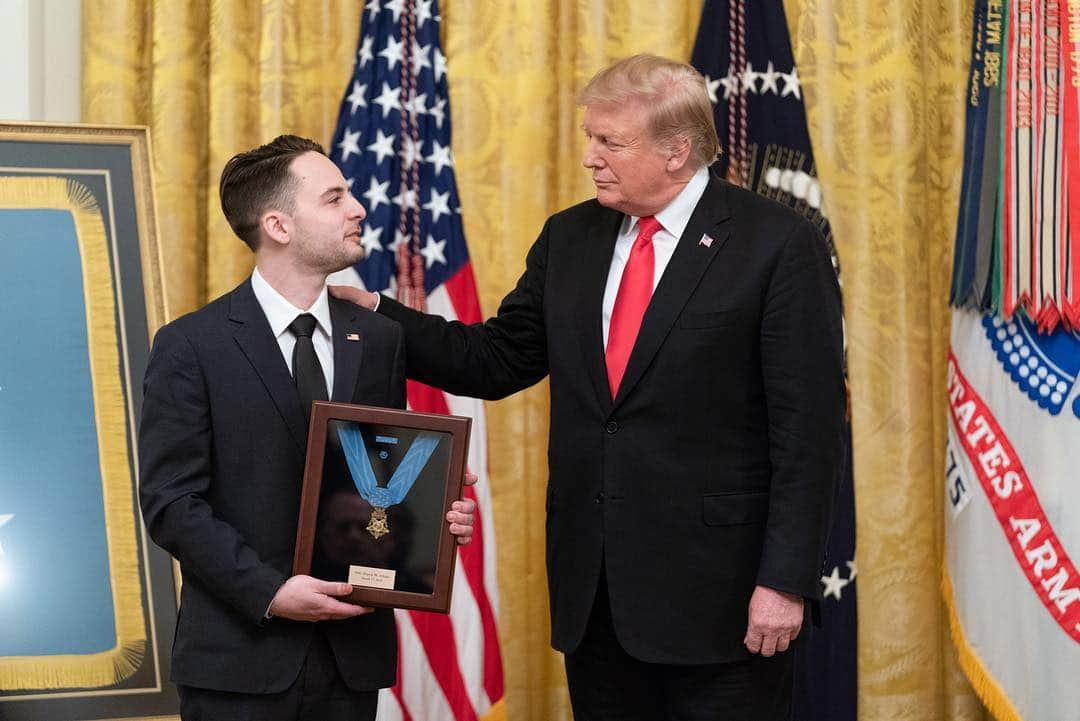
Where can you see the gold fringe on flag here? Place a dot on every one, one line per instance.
(108, 667)
(987, 689)
(496, 712)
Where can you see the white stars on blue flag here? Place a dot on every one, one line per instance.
(391, 172)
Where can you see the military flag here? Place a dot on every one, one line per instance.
(1011, 504)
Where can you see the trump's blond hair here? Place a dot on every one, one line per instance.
(673, 94)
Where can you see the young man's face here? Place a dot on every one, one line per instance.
(326, 219)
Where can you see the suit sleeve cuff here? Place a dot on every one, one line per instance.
(810, 589)
(261, 605)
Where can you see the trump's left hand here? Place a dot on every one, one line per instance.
(775, 621)
(461, 514)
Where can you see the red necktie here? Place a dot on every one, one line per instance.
(635, 290)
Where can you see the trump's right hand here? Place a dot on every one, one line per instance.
(303, 598)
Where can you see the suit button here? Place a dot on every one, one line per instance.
(612, 427)
(599, 497)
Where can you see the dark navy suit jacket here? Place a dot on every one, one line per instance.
(221, 450)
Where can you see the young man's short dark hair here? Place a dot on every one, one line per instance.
(259, 179)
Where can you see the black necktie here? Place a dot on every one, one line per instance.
(307, 372)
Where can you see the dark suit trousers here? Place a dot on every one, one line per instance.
(318, 694)
(607, 684)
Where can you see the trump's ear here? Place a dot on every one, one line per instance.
(276, 226)
(678, 153)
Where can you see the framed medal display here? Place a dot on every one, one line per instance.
(377, 485)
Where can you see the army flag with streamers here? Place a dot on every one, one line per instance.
(1012, 507)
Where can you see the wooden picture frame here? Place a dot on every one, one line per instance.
(87, 602)
(377, 485)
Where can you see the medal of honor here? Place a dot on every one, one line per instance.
(377, 525)
(381, 498)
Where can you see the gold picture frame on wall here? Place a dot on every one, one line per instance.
(87, 602)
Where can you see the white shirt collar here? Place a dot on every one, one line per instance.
(676, 215)
(281, 313)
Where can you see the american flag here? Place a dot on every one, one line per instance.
(392, 143)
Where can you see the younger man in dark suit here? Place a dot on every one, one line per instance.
(228, 391)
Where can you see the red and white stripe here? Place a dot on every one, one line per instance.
(1020, 208)
(1047, 296)
(1040, 254)
(1070, 119)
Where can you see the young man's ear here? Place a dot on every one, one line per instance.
(276, 226)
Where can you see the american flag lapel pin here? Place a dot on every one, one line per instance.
(706, 240)
(352, 336)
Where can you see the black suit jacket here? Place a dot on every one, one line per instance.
(713, 469)
(221, 447)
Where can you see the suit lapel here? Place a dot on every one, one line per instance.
(348, 349)
(681, 277)
(594, 263)
(256, 340)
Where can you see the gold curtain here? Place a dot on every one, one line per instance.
(884, 85)
(210, 78)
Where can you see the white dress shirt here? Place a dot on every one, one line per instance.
(673, 220)
(281, 313)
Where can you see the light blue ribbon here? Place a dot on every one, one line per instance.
(352, 442)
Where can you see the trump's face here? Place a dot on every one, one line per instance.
(629, 168)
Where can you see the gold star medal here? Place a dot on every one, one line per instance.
(377, 525)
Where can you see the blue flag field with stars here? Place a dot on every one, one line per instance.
(744, 51)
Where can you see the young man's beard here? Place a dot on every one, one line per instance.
(329, 260)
